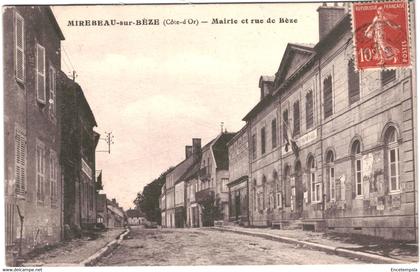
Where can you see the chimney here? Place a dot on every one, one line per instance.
(328, 18)
(188, 151)
(196, 146)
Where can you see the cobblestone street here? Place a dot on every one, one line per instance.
(208, 247)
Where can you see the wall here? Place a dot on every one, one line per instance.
(42, 220)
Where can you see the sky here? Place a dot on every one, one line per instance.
(156, 87)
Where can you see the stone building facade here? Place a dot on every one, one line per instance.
(174, 214)
(353, 169)
(238, 185)
(78, 156)
(33, 180)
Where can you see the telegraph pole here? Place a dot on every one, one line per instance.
(109, 139)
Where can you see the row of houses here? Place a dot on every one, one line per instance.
(327, 148)
(50, 142)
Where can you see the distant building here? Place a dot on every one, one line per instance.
(78, 155)
(173, 215)
(239, 177)
(193, 218)
(101, 210)
(33, 180)
(213, 178)
(116, 215)
(135, 217)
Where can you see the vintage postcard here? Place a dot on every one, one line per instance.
(201, 134)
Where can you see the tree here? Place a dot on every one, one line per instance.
(212, 210)
(147, 201)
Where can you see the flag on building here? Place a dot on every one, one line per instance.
(290, 142)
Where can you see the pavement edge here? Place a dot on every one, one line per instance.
(328, 249)
(93, 259)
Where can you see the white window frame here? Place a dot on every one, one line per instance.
(40, 171)
(20, 162)
(52, 91)
(40, 73)
(331, 177)
(315, 186)
(358, 158)
(225, 182)
(279, 200)
(394, 147)
(19, 48)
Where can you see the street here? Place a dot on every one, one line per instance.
(210, 247)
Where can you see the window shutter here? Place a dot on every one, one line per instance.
(40, 74)
(19, 48)
(274, 133)
(296, 118)
(20, 163)
(353, 83)
(52, 88)
(328, 103)
(309, 110)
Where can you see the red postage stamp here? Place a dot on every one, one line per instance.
(381, 35)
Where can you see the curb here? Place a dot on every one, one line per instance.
(90, 261)
(329, 249)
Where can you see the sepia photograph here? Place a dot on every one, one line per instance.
(207, 134)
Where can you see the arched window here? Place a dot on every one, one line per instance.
(357, 167)
(279, 189)
(331, 174)
(316, 194)
(263, 195)
(392, 158)
(254, 185)
(287, 188)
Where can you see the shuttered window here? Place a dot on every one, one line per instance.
(254, 146)
(309, 110)
(285, 124)
(53, 176)
(274, 133)
(52, 90)
(296, 118)
(40, 73)
(19, 48)
(20, 163)
(328, 102)
(263, 140)
(353, 83)
(40, 172)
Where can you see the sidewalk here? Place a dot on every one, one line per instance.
(73, 252)
(344, 244)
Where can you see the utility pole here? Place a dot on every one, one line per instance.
(109, 139)
(221, 126)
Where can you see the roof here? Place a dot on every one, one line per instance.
(238, 134)
(295, 55)
(328, 40)
(192, 171)
(220, 150)
(134, 213)
(54, 23)
(74, 86)
(260, 106)
(182, 168)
